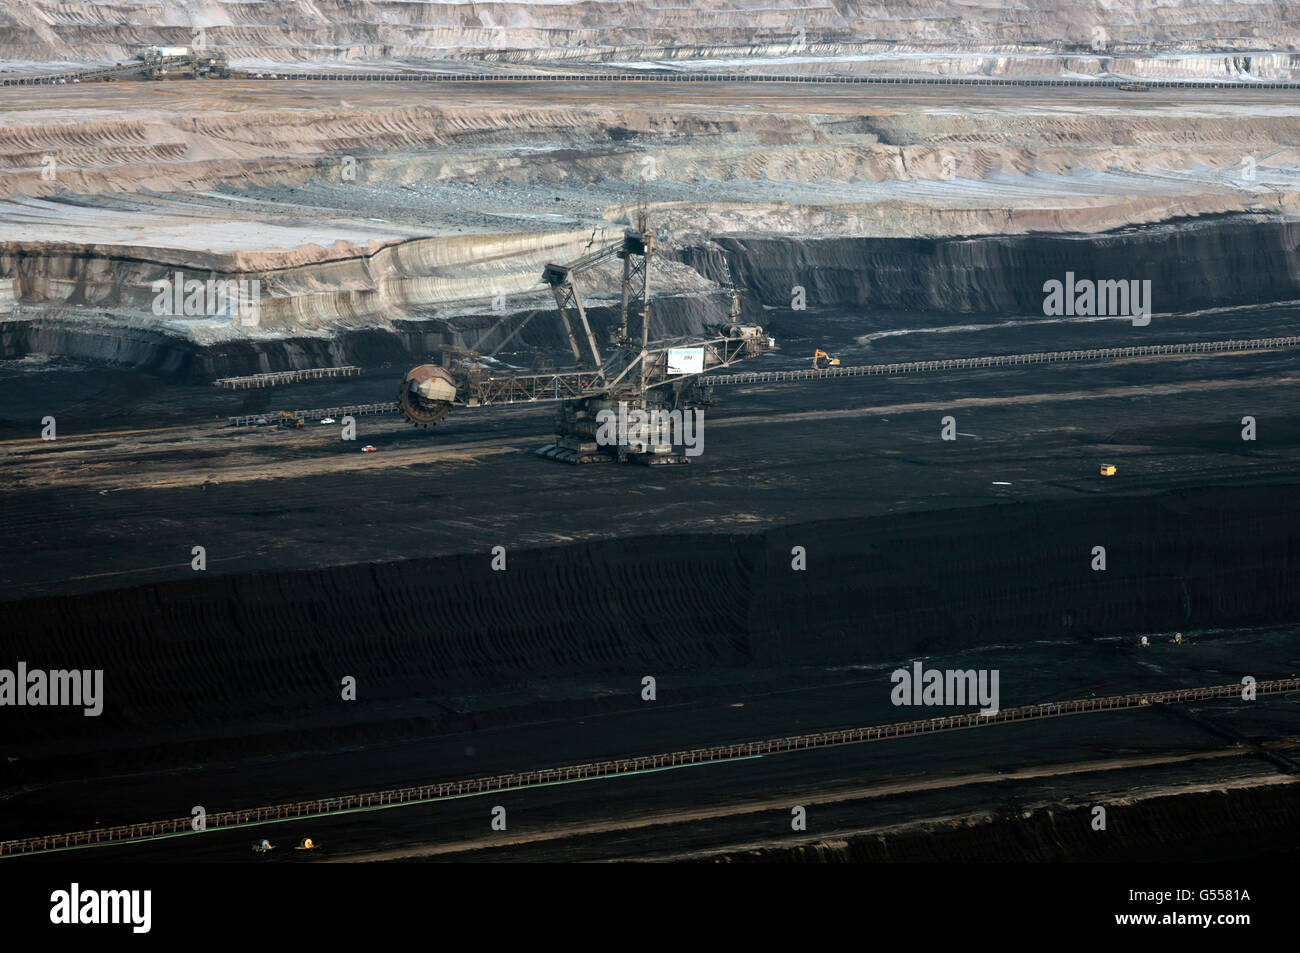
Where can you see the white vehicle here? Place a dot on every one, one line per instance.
(327, 420)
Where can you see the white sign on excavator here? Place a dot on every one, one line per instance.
(685, 360)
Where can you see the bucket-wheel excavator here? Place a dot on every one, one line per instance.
(641, 373)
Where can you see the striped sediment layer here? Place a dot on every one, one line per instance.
(1214, 262)
(282, 31)
(357, 209)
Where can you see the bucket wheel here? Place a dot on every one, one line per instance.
(426, 395)
(419, 413)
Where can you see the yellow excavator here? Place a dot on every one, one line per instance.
(830, 361)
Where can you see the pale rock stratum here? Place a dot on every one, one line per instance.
(358, 205)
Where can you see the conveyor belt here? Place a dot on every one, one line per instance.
(395, 797)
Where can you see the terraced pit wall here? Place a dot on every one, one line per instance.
(210, 660)
(392, 339)
(282, 31)
(1223, 261)
(1191, 265)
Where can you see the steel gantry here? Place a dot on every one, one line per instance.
(637, 371)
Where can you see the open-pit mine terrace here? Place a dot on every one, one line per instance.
(222, 686)
(382, 221)
(382, 208)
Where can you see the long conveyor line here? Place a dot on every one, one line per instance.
(1006, 360)
(395, 797)
(486, 398)
(90, 75)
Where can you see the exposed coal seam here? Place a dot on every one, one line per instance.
(245, 651)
